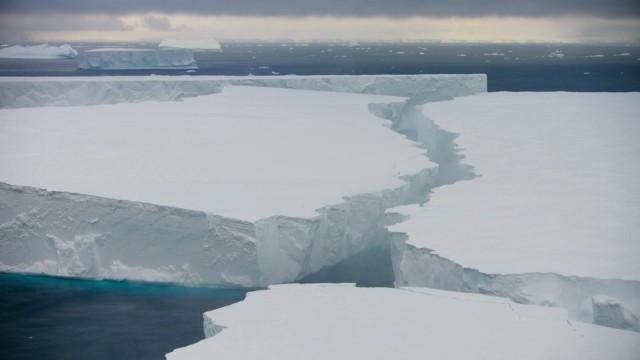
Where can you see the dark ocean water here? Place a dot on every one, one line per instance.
(510, 67)
(55, 318)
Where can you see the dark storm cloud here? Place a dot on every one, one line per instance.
(393, 8)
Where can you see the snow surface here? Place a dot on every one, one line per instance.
(193, 44)
(42, 51)
(132, 59)
(557, 189)
(343, 322)
(247, 153)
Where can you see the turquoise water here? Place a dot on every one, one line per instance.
(56, 318)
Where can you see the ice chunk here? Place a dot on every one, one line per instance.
(556, 189)
(132, 59)
(193, 44)
(609, 311)
(43, 51)
(345, 322)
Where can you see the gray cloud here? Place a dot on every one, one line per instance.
(60, 22)
(361, 8)
(161, 23)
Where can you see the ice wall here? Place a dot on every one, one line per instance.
(28, 92)
(136, 59)
(77, 235)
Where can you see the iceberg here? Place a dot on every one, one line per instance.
(340, 321)
(43, 51)
(136, 59)
(193, 44)
(271, 250)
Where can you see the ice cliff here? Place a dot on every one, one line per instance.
(133, 59)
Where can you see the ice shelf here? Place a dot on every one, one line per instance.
(136, 59)
(344, 322)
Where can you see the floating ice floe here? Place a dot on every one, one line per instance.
(340, 321)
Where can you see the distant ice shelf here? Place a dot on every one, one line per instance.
(344, 322)
(42, 51)
(194, 44)
(136, 59)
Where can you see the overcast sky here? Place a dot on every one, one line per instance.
(455, 20)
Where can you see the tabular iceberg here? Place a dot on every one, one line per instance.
(43, 51)
(136, 59)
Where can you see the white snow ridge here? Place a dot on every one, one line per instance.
(502, 201)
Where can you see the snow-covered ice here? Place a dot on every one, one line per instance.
(42, 51)
(557, 187)
(343, 322)
(193, 44)
(132, 59)
(247, 153)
